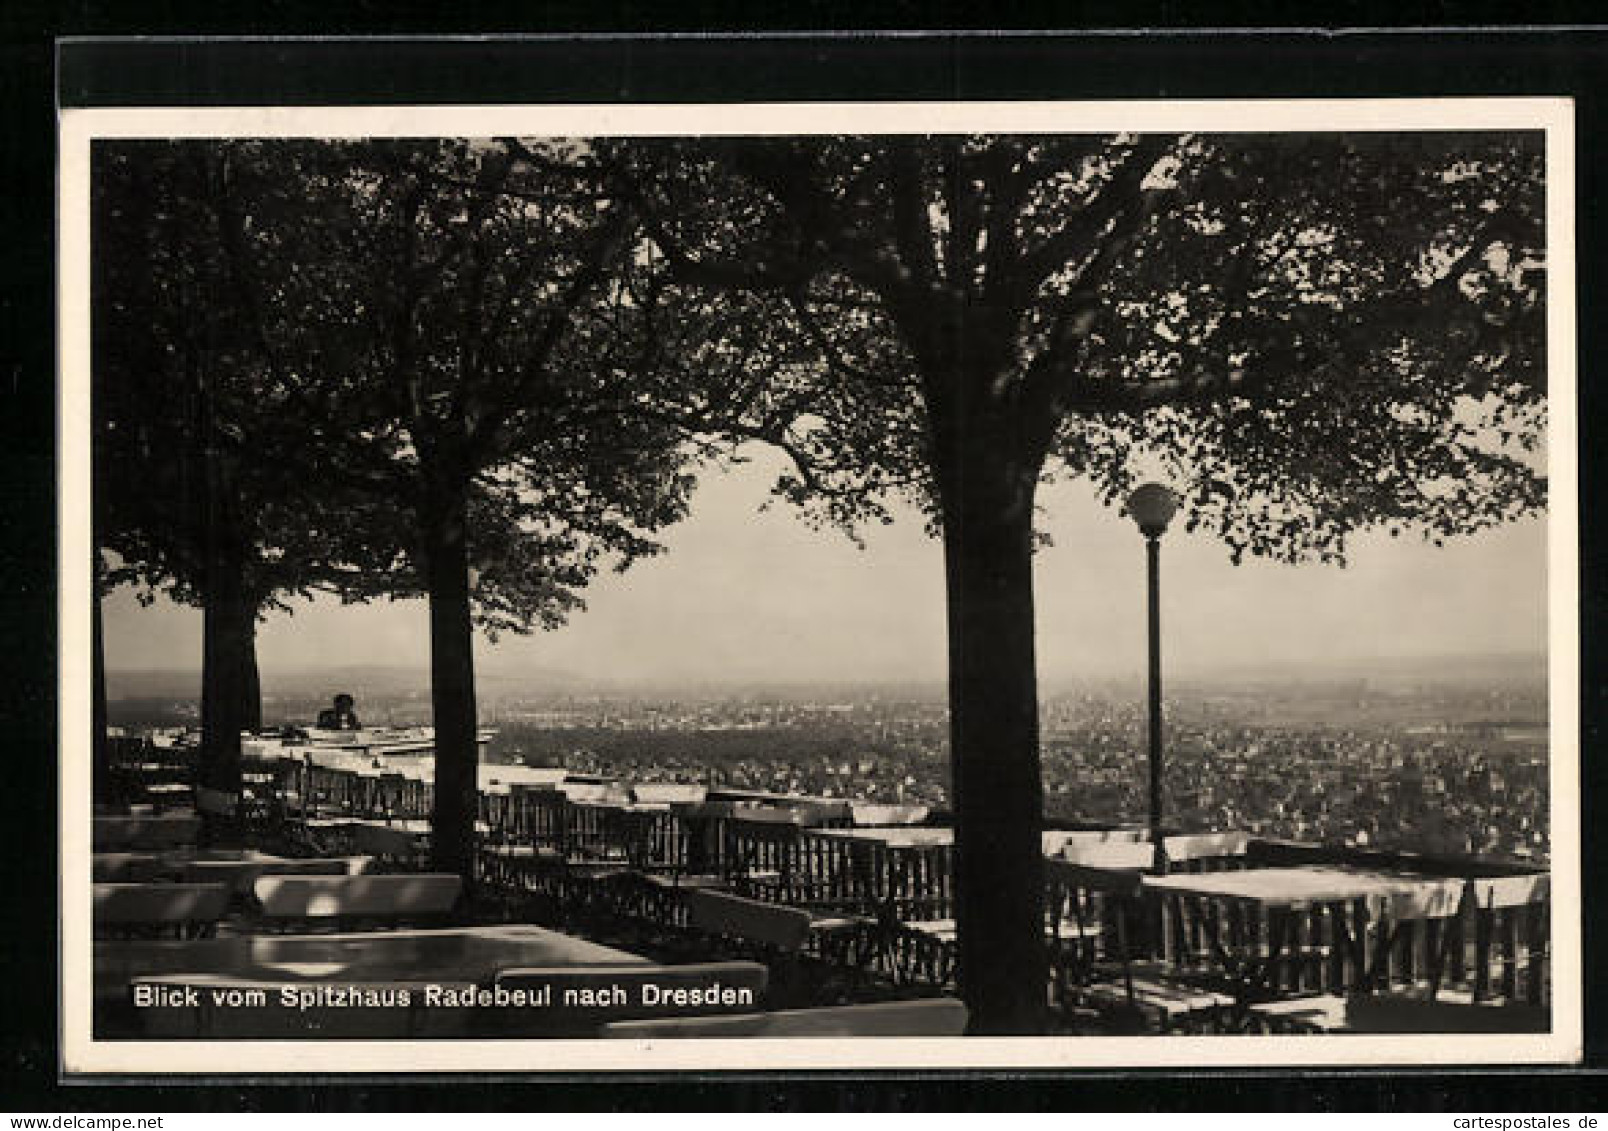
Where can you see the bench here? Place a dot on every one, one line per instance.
(112, 833)
(158, 909)
(390, 899)
(742, 920)
(128, 867)
(242, 875)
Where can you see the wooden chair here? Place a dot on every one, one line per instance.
(1150, 997)
(1097, 941)
(1410, 952)
(345, 902)
(1090, 926)
(515, 874)
(651, 836)
(128, 868)
(928, 1017)
(1511, 939)
(394, 847)
(766, 853)
(785, 938)
(650, 905)
(921, 952)
(158, 910)
(1081, 906)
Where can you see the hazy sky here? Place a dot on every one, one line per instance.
(744, 595)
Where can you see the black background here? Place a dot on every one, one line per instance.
(1183, 63)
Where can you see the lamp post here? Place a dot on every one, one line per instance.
(1152, 507)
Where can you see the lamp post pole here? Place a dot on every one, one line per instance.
(1153, 573)
(1152, 507)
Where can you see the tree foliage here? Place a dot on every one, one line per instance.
(198, 425)
(1312, 333)
(345, 309)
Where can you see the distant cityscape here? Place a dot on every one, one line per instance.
(1450, 763)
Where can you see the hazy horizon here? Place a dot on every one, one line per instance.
(1459, 666)
(743, 596)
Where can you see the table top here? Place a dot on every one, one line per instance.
(140, 820)
(893, 836)
(1125, 856)
(417, 828)
(1056, 840)
(1138, 855)
(220, 865)
(1304, 886)
(1110, 849)
(192, 856)
(874, 815)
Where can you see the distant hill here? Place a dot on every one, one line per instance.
(175, 684)
(370, 679)
(1503, 669)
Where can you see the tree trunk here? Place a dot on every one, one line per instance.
(228, 625)
(986, 485)
(250, 677)
(452, 684)
(986, 456)
(993, 703)
(100, 746)
(227, 616)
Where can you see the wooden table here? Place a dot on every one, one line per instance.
(182, 910)
(166, 830)
(1275, 929)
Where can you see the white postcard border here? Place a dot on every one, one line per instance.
(81, 1054)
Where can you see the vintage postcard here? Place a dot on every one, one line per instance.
(838, 585)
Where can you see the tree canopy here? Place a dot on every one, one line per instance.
(268, 278)
(1314, 333)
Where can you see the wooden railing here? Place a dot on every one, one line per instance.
(1493, 946)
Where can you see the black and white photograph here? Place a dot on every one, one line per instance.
(808, 586)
